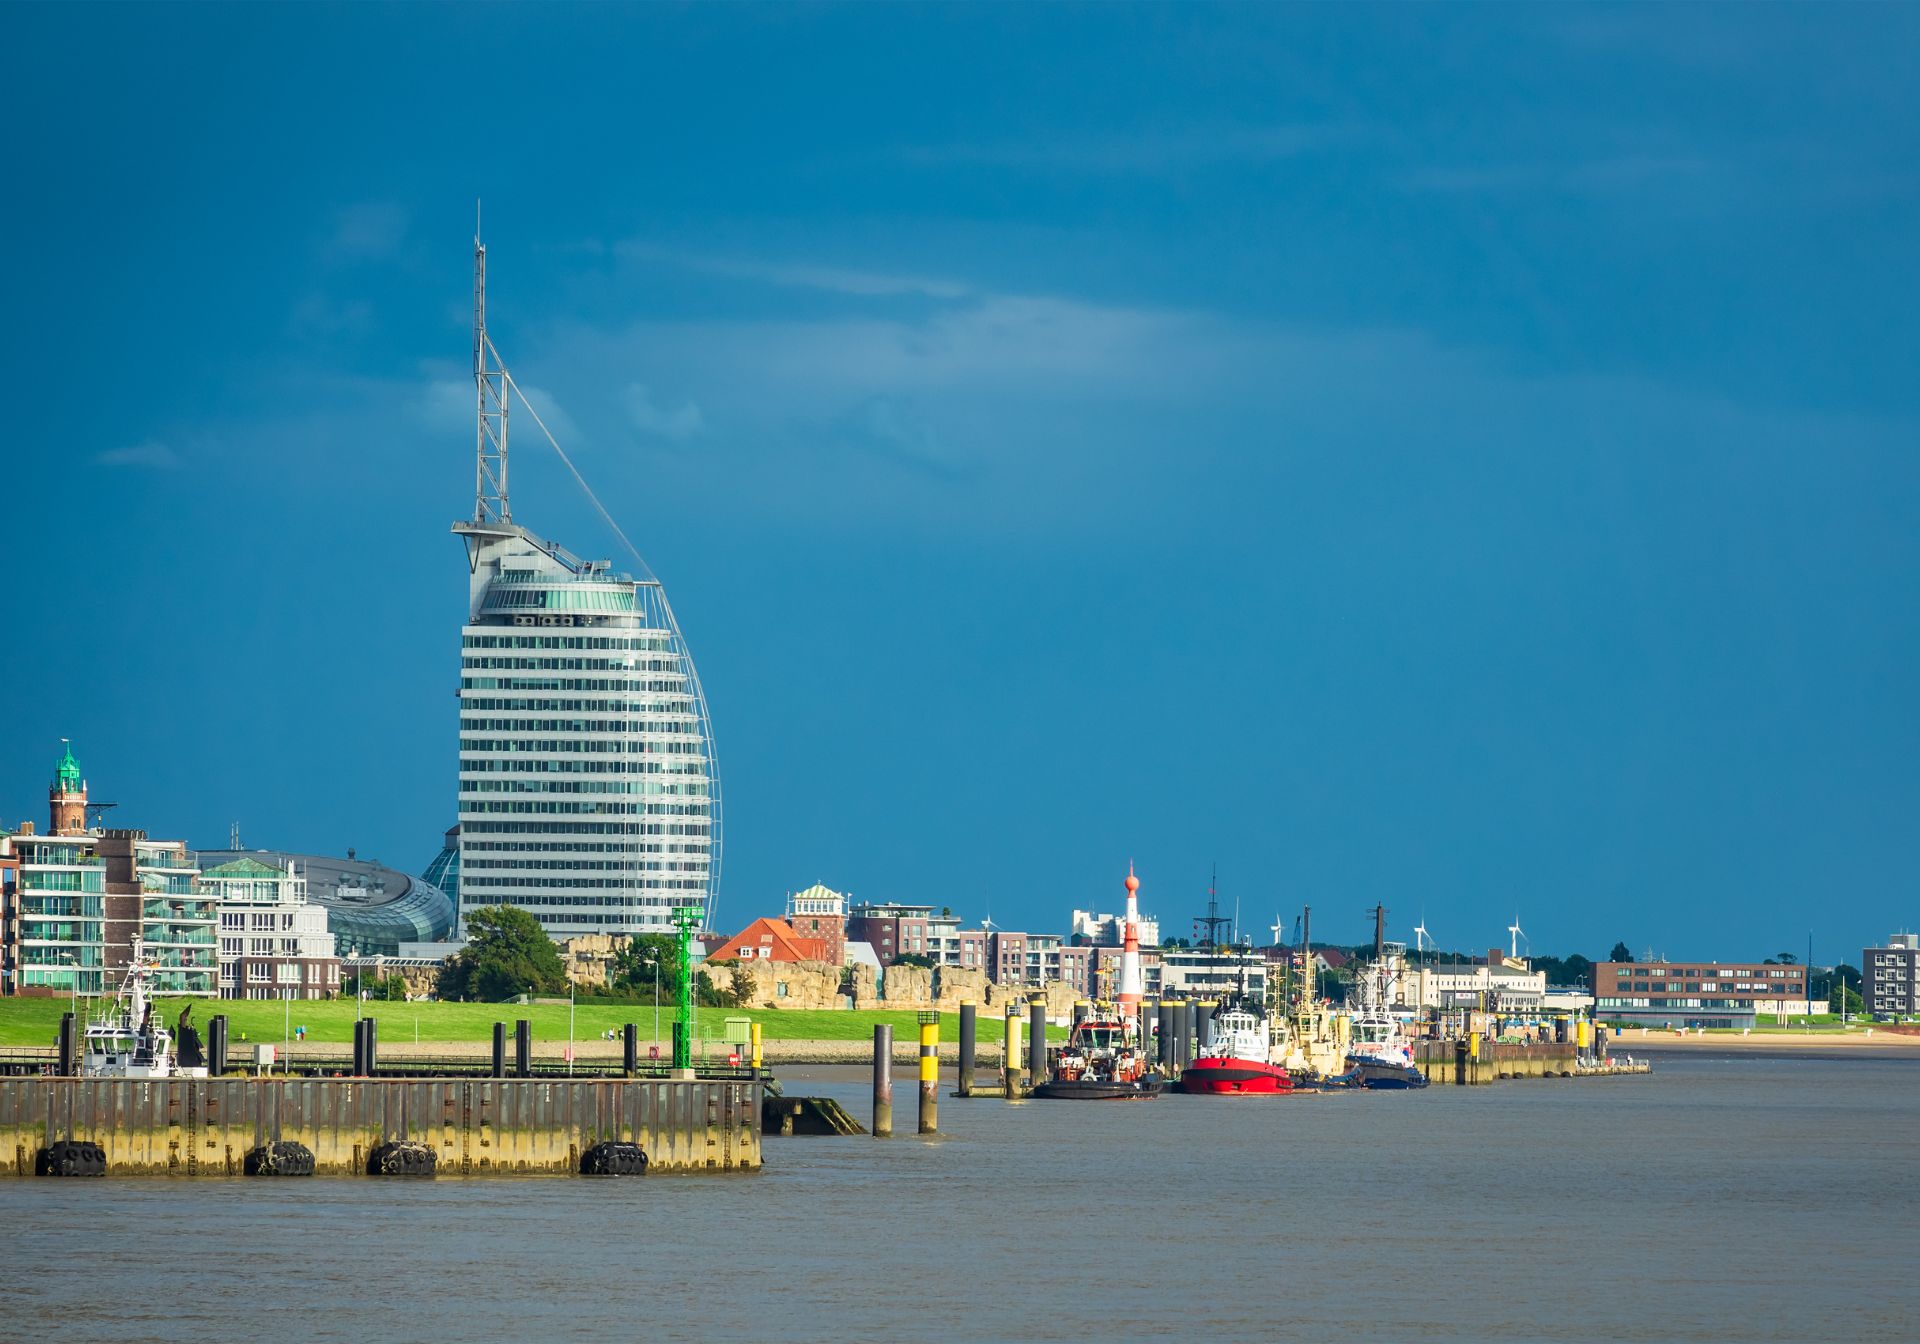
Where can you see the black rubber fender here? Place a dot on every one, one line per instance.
(280, 1158)
(71, 1157)
(402, 1157)
(614, 1159)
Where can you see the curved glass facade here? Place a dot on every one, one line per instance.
(587, 789)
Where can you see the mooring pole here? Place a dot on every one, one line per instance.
(753, 1039)
(523, 1048)
(1010, 1041)
(499, 1049)
(1037, 1043)
(65, 1040)
(630, 1049)
(929, 1071)
(359, 1047)
(373, 1046)
(217, 1046)
(882, 1081)
(969, 1029)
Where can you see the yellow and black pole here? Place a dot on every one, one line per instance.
(753, 1037)
(929, 1071)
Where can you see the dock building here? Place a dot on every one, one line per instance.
(588, 794)
(1496, 983)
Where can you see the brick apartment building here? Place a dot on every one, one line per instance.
(1697, 994)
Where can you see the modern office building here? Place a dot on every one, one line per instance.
(1890, 977)
(1102, 930)
(893, 929)
(1197, 973)
(83, 895)
(587, 788)
(274, 942)
(1696, 994)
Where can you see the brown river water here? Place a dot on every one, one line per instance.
(1721, 1198)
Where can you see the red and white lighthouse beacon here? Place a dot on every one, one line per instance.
(1132, 989)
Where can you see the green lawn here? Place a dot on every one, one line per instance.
(34, 1021)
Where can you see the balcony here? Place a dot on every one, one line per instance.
(178, 935)
(191, 911)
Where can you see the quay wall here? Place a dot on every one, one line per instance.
(477, 1127)
(1441, 1062)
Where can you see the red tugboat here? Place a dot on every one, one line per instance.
(1236, 1063)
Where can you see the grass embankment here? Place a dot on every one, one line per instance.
(1768, 1025)
(34, 1021)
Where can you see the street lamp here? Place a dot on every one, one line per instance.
(73, 982)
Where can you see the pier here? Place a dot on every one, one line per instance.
(473, 1127)
(1472, 1063)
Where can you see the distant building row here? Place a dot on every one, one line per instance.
(231, 924)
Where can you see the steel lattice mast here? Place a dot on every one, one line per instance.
(490, 504)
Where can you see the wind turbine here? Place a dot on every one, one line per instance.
(1278, 928)
(1515, 934)
(1420, 937)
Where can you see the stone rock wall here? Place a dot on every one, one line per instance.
(588, 957)
(786, 984)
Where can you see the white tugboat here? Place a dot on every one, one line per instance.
(130, 1040)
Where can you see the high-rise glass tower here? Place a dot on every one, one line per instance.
(588, 794)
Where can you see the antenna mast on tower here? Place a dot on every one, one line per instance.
(490, 391)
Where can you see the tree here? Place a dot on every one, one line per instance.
(386, 988)
(913, 959)
(633, 965)
(1786, 959)
(1621, 952)
(507, 954)
(1573, 970)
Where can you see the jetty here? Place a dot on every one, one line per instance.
(185, 1126)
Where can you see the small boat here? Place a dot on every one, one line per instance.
(1101, 1061)
(1379, 1055)
(130, 1039)
(1237, 1062)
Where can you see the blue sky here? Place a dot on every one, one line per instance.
(1456, 457)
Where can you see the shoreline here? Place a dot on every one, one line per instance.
(1785, 1044)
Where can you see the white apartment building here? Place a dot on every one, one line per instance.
(274, 943)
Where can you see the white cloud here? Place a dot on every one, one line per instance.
(1152, 149)
(677, 425)
(445, 404)
(366, 231)
(147, 453)
(833, 279)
